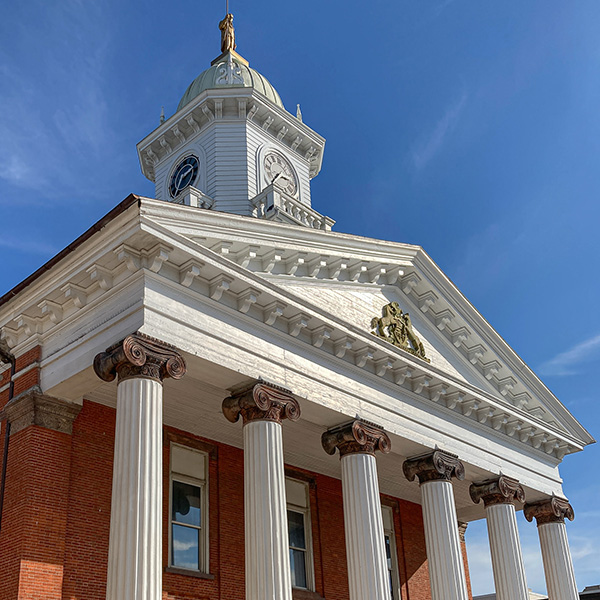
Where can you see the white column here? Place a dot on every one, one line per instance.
(558, 566)
(444, 556)
(507, 558)
(365, 543)
(262, 407)
(267, 546)
(446, 567)
(550, 515)
(135, 546)
(357, 442)
(498, 495)
(135, 543)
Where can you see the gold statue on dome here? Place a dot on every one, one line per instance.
(227, 34)
(395, 327)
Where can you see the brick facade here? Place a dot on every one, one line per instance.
(54, 539)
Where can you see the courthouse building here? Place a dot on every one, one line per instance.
(212, 395)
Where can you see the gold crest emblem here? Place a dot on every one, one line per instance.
(396, 328)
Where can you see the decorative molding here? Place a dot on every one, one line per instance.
(437, 466)
(261, 401)
(139, 355)
(502, 490)
(356, 437)
(34, 408)
(551, 510)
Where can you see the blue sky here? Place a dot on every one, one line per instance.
(471, 128)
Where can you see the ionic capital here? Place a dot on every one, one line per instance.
(502, 490)
(356, 437)
(437, 466)
(261, 401)
(139, 355)
(551, 510)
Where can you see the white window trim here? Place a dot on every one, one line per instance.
(394, 551)
(204, 547)
(310, 561)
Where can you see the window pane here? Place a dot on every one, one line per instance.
(296, 529)
(298, 565)
(186, 503)
(185, 547)
(388, 552)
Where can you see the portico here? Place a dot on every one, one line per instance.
(236, 400)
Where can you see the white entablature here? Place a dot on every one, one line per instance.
(239, 271)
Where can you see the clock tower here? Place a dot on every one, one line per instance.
(232, 146)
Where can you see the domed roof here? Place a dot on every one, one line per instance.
(227, 71)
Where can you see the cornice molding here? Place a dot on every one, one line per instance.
(234, 104)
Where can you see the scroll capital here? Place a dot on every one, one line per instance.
(501, 490)
(261, 401)
(140, 355)
(356, 437)
(551, 510)
(437, 466)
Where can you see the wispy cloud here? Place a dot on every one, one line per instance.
(54, 142)
(566, 363)
(431, 144)
(27, 246)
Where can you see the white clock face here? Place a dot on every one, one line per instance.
(279, 171)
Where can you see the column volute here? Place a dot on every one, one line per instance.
(139, 355)
(436, 466)
(501, 490)
(356, 437)
(551, 510)
(261, 401)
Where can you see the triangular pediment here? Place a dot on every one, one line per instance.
(312, 290)
(349, 279)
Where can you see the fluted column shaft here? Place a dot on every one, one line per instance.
(262, 407)
(499, 495)
(135, 545)
(363, 522)
(267, 548)
(507, 557)
(550, 515)
(446, 568)
(357, 442)
(558, 565)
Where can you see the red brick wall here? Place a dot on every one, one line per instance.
(34, 522)
(81, 489)
(22, 381)
(89, 503)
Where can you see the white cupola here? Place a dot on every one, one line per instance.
(232, 146)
